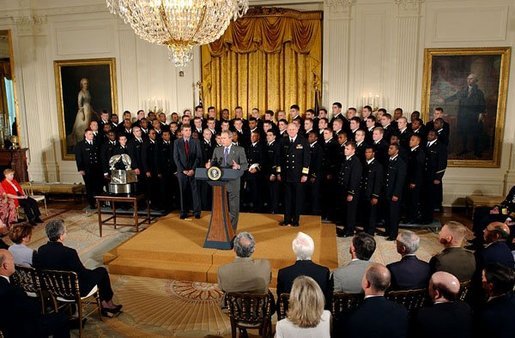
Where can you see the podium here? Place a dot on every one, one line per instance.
(220, 232)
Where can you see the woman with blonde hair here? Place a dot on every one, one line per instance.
(306, 317)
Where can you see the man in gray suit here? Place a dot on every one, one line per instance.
(231, 156)
(245, 274)
(348, 278)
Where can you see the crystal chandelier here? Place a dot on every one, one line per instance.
(178, 24)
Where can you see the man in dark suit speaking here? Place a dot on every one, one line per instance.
(231, 156)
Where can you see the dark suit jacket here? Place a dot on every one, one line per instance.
(106, 152)
(497, 252)
(294, 159)
(378, 317)
(149, 158)
(416, 159)
(349, 176)
(315, 165)
(135, 151)
(372, 180)
(18, 313)
(319, 273)
(444, 320)
(56, 256)
(409, 273)
(436, 161)
(179, 155)
(395, 176)
(457, 261)
(87, 157)
(496, 319)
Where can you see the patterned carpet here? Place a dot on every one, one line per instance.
(163, 308)
(152, 307)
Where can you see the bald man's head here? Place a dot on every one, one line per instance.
(376, 279)
(6, 263)
(496, 231)
(443, 286)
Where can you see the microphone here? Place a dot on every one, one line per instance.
(214, 162)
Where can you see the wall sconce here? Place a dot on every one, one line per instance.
(374, 100)
(156, 105)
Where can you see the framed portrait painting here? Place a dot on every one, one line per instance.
(84, 89)
(470, 85)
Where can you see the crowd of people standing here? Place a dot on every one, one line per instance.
(350, 167)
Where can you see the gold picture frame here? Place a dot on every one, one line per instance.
(471, 85)
(84, 88)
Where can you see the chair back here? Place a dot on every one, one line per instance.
(344, 303)
(27, 278)
(464, 290)
(63, 284)
(249, 308)
(283, 305)
(411, 299)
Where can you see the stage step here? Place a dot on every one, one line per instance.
(159, 269)
(172, 248)
(170, 270)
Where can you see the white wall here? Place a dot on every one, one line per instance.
(370, 46)
(378, 46)
(72, 29)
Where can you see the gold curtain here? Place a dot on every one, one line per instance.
(269, 59)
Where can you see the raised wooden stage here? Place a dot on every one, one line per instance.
(172, 248)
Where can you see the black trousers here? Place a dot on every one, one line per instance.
(273, 196)
(294, 202)
(93, 180)
(368, 215)
(313, 197)
(413, 203)
(350, 211)
(30, 207)
(188, 184)
(99, 277)
(429, 200)
(393, 210)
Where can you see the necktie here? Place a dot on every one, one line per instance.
(291, 141)
(428, 144)
(187, 147)
(226, 154)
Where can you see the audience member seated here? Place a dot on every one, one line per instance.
(348, 278)
(496, 250)
(410, 272)
(21, 236)
(15, 192)
(306, 316)
(8, 214)
(447, 317)
(55, 256)
(245, 274)
(303, 247)
(377, 317)
(486, 215)
(497, 317)
(454, 259)
(20, 315)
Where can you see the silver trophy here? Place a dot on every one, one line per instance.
(121, 179)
